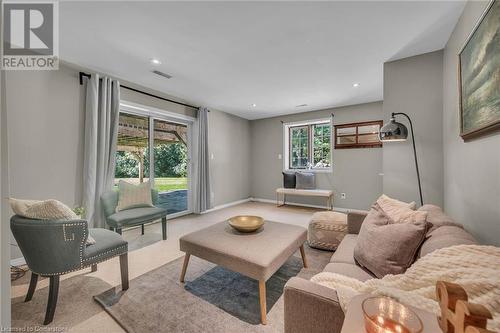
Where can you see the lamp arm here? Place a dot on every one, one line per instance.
(414, 153)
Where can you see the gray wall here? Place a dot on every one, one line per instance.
(472, 169)
(46, 129)
(355, 171)
(229, 145)
(45, 111)
(4, 212)
(414, 86)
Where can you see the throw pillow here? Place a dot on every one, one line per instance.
(305, 181)
(133, 196)
(19, 206)
(289, 179)
(50, 210)
(398, 211)
(384, 247)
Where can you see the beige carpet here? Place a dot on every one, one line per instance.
(78, 312)
(213, 299)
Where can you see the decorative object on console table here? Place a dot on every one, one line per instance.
(354, 320)
(395, 131)
(385, 314)
(458, 315)
(479, 76)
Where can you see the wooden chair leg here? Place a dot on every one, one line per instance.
(124, 270)
(119, 231)
(52, 301)
(262, 299)
(184, 267)
(32, 287)
(164, 228)
(93, 268)
(142, 229)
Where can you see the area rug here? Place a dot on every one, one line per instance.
(213, 299)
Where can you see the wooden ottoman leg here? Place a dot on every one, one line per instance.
(184, 266)
(262, 299)
(303, 255)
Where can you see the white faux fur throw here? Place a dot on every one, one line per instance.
(475, 267)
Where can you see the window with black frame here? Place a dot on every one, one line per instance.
(309, 145)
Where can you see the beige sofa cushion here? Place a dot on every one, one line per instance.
(384, 247)
(437, 218)
(350, 270)
(345, 250)
(445, 236)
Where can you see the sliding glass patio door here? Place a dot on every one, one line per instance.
(156, 149)
(171, 161)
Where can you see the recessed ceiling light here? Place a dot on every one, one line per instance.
(155, 62)
(254, 105)
(355, 85)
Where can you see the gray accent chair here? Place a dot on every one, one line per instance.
(134, 216)
(52, 248)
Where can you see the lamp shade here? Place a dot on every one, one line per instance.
(393, 131)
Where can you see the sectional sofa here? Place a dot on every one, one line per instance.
(313, 308)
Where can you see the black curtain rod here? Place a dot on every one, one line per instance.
(82, 74)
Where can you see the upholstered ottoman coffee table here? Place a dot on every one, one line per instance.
(326, 230)
(257, 255)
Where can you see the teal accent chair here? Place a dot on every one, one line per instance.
(134, 216)
(52, 248)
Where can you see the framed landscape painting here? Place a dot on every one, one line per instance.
(479, 76)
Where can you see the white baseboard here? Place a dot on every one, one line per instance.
(338, 209)
(18, 261)
(229, 204)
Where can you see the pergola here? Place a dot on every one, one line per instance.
(133, 136)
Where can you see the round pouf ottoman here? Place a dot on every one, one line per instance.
(326, 230)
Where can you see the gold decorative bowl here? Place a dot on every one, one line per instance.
(246, 223)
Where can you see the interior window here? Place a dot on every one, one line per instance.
(358, 135)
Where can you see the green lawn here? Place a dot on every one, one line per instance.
(168, 184)
(162, 184)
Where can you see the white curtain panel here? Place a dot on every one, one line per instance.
(201, 193)
(102, 107)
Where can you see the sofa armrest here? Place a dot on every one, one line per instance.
(354, 220)
(312, 308)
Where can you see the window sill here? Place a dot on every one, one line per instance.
(330, 170)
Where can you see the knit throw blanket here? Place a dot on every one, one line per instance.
(475, 267)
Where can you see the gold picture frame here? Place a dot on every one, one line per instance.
(479, 112)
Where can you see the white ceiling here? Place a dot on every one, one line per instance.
(230, 55)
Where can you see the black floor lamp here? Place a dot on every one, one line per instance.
(394, 131)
